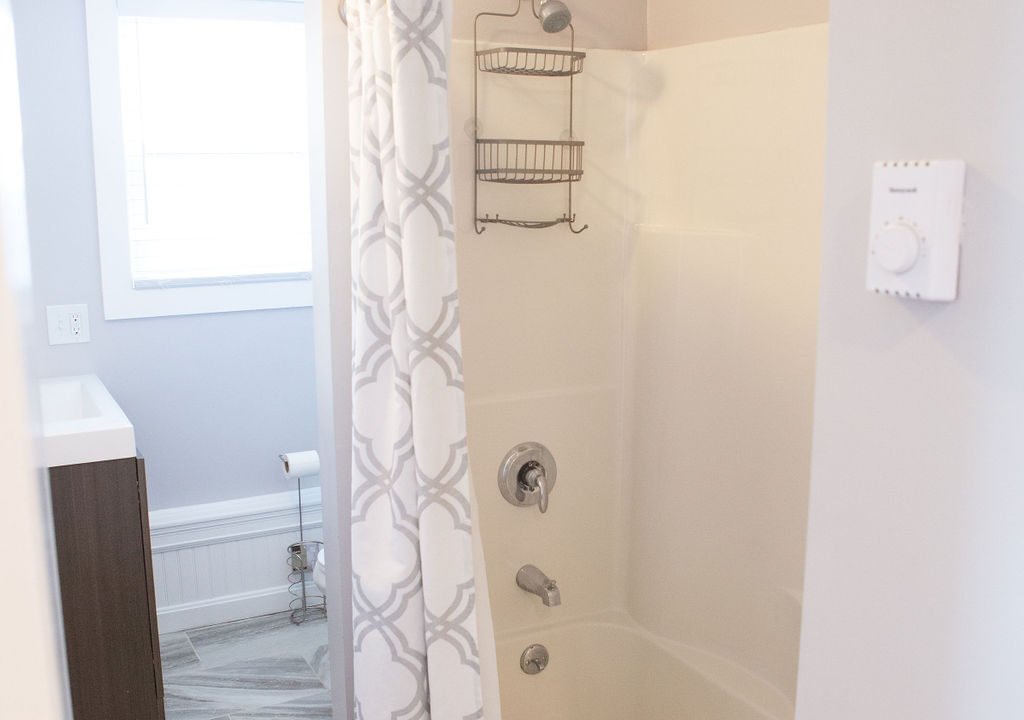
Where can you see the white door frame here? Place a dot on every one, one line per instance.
(332, 310)
(33, 680)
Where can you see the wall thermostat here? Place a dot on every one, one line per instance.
(916, 221)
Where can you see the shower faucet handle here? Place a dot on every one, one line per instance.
(527, 476)
(533, 479)
(542, 487)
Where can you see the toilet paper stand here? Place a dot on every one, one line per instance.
(307, 601)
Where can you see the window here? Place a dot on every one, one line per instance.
(200, 146)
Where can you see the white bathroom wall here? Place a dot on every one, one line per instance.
(671, 23)
(915, 579)
(213, 398)
(722, 300)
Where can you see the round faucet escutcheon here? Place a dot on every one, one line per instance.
(527, 475)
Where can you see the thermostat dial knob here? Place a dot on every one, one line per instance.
(897, 247)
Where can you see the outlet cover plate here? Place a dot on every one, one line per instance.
(67, 324)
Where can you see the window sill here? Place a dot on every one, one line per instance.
(126, 302)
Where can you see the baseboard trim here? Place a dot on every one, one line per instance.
(225, 608)
(226, 561)
(231, 520)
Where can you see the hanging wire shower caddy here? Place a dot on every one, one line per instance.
(521, 161)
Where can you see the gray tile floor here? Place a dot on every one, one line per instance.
(254, 669)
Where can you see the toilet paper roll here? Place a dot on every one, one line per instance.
(301, 464)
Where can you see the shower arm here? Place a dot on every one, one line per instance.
(519, 7)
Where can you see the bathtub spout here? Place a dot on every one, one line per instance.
(532, 580)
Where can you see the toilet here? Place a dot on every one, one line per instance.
(320, 571)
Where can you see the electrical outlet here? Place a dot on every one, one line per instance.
(67, 324)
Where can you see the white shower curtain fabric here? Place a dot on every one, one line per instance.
(416, 653)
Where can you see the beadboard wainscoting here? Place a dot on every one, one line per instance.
(225, 561)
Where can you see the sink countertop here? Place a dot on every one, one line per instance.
(82, 422)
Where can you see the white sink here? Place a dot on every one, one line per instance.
(82, 423)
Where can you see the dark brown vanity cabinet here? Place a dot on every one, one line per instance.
(101, 524)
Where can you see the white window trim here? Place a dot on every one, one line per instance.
(121, 299)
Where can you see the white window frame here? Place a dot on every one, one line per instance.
(121, 298)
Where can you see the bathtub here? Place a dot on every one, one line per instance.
(609, 669)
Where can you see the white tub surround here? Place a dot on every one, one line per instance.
(654, 369)
(605, 667)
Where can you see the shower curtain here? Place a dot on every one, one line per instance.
(415, 633)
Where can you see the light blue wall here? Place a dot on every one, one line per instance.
(213, 398)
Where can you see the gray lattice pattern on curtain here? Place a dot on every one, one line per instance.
(414, 599)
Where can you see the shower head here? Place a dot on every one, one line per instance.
(554, 15)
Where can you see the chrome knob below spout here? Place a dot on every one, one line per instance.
(532, 580)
